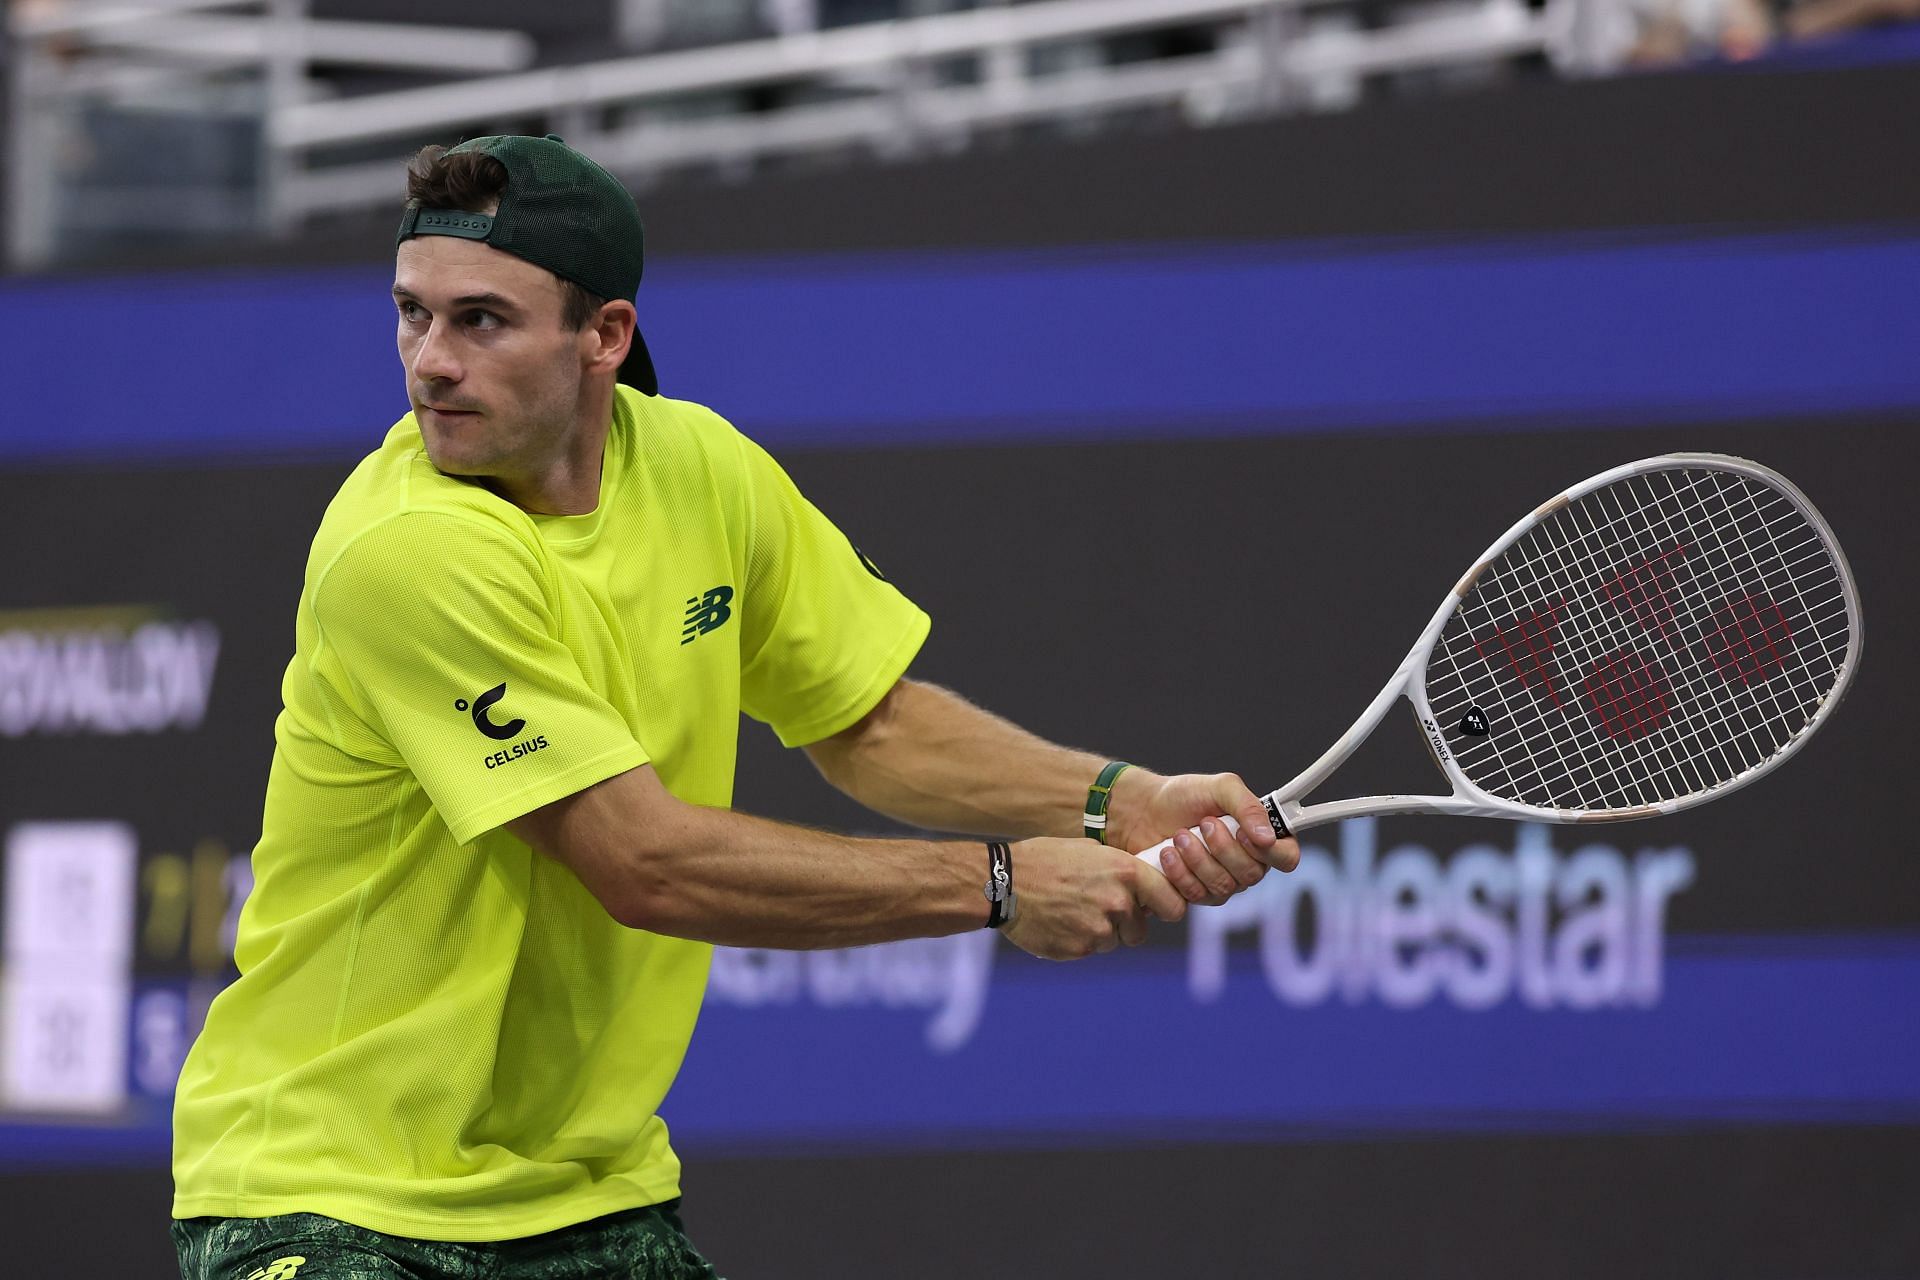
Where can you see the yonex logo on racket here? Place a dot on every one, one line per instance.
(1628, 690)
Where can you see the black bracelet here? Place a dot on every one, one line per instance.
(999, 888)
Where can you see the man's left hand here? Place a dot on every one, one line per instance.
(1145, 809)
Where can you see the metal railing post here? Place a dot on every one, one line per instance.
(31, 156)
(284, 74)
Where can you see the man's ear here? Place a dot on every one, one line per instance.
(606, 336)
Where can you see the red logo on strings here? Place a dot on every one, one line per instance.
(1643, 591)
(1750, 639)
(1527, 645)
(1630, 694)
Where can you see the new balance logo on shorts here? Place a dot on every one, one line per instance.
(278, 1269)
(706, 612)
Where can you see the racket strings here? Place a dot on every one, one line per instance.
(1640, 713)
(1648, 700)
(1650, 640)
(1729, 742)
(1628, 657)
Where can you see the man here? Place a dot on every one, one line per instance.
(497, 843)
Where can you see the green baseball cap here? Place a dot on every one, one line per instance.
(560, 211)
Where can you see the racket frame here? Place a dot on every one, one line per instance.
(1409, 681)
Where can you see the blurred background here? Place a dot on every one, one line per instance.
(1176, 355)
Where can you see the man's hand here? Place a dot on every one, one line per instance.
(1146, 808)
(1076, 897)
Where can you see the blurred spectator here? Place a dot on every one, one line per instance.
(26, 14)
(1827, 17)
(791, 17)
(1658, 33)
(650, 25)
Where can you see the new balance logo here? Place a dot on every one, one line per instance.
(706, 612)
(482, 722)
(279, 1269)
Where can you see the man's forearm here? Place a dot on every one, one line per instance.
(927, 756)
(759, 883)
(723, 877)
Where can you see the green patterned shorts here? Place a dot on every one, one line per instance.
(639, 1244)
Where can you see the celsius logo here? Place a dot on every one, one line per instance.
(483, 704)
(109, 670)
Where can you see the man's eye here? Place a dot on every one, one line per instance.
(483, 319)
(410, 311)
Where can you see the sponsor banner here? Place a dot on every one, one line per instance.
(1245, 339)
(110, 671)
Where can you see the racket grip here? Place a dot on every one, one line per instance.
(1152, 856)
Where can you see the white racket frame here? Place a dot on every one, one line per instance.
(1410, 681)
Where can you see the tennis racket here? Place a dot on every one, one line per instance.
(1659, 636)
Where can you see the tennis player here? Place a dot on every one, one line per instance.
(497, 847)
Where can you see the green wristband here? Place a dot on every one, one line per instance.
(1095, 818)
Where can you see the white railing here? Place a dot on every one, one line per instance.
(878, 78)
(225, 59)
(198, 32)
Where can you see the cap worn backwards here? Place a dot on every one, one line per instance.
(560, 211)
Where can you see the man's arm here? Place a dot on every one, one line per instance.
(658, 863)
(926, 756)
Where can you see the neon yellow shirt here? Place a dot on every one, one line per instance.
(437, 1032)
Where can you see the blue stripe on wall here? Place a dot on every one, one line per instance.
(886, 349)
(1115, 1050)
(1747, 1030)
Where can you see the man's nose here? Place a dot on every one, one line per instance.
(435, 359)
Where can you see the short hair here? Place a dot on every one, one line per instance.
(473, 182)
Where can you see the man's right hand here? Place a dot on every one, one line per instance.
(1078, 897)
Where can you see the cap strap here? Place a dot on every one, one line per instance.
(447, 222)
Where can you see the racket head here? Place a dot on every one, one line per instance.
(1658, 636)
